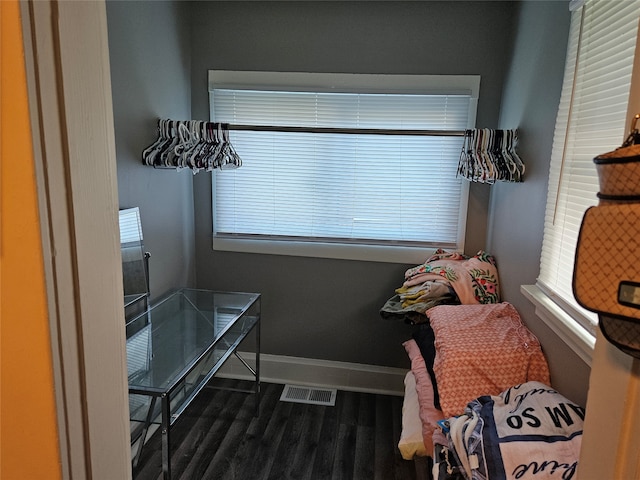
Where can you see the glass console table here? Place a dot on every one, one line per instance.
(175, 347)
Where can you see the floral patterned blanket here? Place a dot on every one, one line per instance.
(474, 279)
(445, 278)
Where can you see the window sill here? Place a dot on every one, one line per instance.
(576, 337)
(369, 253)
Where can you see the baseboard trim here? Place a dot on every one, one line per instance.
(355, 377)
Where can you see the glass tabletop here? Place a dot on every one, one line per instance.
(176, 333)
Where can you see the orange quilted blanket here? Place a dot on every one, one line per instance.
(482, 350)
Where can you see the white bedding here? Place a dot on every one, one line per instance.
(411, 440)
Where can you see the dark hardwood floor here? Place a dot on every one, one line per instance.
(218, 437)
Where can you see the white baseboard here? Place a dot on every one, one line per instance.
(353, 377)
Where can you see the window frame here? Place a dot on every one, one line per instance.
(348, 83)
(573, 324)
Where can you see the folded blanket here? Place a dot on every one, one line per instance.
(411, 443)
(425, 339)
(446, 278)
(428, 413)
(482, 350)
(528, 431)
(474, 279)
(413, 313)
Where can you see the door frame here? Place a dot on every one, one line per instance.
(69, 86)
(67, 60)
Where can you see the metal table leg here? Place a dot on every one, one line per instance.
(145, 430)
(166, 443)
(258, 365)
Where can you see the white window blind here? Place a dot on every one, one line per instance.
(348, 188)
(130, 231)
(591, 120)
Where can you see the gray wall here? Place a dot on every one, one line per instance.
(530, 101)
(319, 308)
(150, 75)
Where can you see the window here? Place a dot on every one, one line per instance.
(591, 120)
(303, 190)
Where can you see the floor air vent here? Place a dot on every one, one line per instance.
(314, 396)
